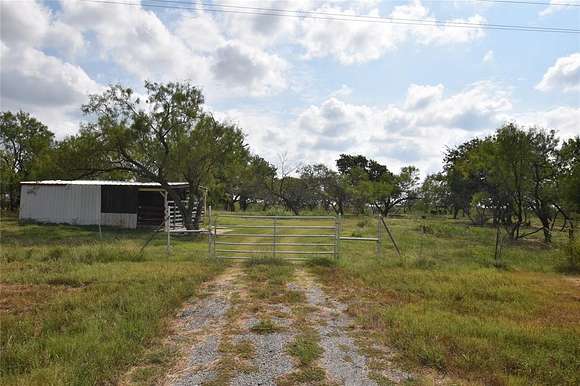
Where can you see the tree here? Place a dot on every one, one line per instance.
(374, 184)
(247, 183)
(568, 183)
(463, 180)
(163, 137)
(544, 174)
(434, 193)
(23, 141)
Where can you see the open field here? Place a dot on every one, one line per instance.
(79, 310)
(444, 305)
(76, 310)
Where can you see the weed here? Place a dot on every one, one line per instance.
(305, 348)
(265, 326)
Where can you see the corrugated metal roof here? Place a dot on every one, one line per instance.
(98, 182)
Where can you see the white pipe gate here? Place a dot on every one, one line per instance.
(274, 234)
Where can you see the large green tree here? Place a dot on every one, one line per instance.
(374, 184)
(23, 142)
(165, 136)
(568, 183)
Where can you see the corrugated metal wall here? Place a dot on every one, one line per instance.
(69, 204)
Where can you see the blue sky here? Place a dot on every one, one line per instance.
(307, 89)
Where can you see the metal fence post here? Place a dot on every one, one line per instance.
(337, 226)
(215, 235)
(167, 226)
(379, 241)
(209, 254)
(275, 237)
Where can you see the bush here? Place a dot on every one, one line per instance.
(572, 264)
(363, 223)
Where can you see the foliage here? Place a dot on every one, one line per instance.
(23, 142)
(511, 175)
(164, 137)
(373, 183)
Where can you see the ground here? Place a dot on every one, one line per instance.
(76, 309)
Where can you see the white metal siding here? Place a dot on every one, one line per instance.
(123, 220)
(69, 204)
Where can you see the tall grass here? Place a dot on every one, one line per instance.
(444, 304)
(81, 311)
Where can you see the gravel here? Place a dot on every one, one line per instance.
(271, 359)
(341, 359)
(205, 320)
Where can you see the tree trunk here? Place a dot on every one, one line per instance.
(197, 218)
(545, 219)
(243, 203)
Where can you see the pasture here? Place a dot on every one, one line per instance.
(79, 310)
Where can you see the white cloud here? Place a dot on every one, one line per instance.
(23, 22)
(46, 86)
(564, 119)
(137, 40)
(30, 24)
(419, 97)
(343, 92)
(557, 6)
(359, 42)
(415, 131)
(240, 66)
(564, 75)
(488, 57)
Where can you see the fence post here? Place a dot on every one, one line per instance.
(275, 237)
(391, 237)
(209, 254)
(379, 238)
(337, 237)
(167, 227)
(215, 235)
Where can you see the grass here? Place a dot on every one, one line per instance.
(268, 279)
(445, 306)
(305, 348)
(79, 310)
(265, 326)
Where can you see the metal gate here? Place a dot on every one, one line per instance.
(233, 236)
(240, 236)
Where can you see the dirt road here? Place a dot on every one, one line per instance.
(247, 331)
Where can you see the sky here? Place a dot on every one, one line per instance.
(306, 89)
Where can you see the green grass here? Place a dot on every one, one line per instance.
(79, 310)
(268, 279)
(444, 305)
(265, 326)
(305, 348)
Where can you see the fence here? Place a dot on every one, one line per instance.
(175, 218)
(230, 236)
(174, 223)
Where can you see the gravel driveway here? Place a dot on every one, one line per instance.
(213, 329)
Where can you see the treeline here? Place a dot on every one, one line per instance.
(506, 179)
(509, 178)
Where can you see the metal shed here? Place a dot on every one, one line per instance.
(115, 203)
